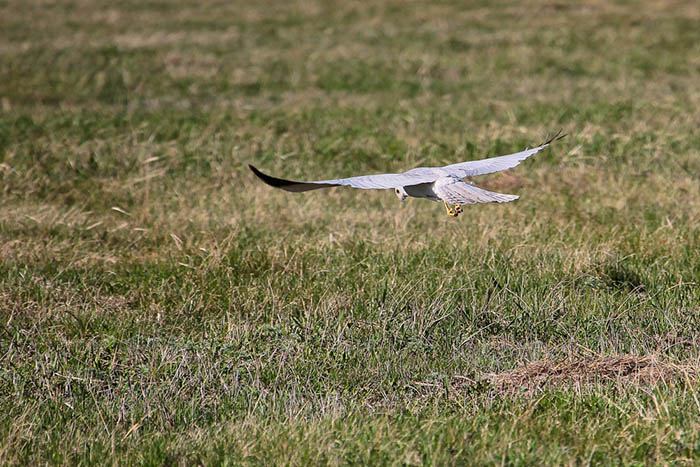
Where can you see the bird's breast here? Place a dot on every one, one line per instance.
(423, 190)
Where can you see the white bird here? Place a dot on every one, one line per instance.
(444, 184)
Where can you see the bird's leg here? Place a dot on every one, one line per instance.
(458, 209)
(450, 211)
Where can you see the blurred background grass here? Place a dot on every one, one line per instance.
(160, 305)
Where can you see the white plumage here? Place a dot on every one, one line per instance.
(435, 183)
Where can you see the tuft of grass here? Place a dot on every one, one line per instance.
(159, 305)
(625, 369)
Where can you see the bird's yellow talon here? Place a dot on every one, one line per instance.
(450, 211)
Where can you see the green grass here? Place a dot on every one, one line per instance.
(159, 305)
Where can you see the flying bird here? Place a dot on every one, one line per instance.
(444, 184)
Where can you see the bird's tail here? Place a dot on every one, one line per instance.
(466, 193)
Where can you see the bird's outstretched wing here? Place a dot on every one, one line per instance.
(495, 164)
(412, 177)
(364, 182)
(456, 191)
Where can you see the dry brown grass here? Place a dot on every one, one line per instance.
(583, 372)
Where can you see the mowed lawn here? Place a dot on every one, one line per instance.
(161, 306)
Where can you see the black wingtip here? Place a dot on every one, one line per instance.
(269, 180)
(265, 178)
(255, 171)
(554, 138)
(287, 185)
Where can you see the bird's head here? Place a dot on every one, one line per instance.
(401, 193)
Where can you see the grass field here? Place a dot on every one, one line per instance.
(159, 305)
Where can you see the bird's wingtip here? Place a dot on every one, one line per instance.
(258, 173)
(264, 177)
(554, 138)
(288, 185)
